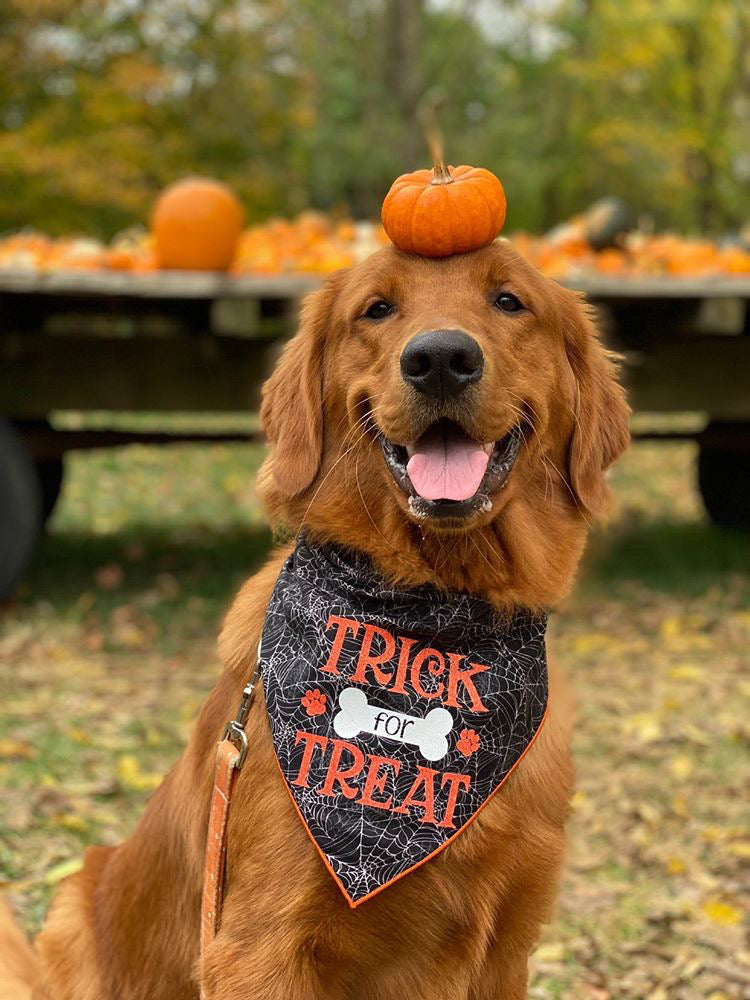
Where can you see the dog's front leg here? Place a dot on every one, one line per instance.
(503, 979)
(518, 922)
(229, 972)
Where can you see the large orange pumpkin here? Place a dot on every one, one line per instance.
(446, 210)
(196, 225)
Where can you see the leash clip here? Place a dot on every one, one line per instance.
(235, 731)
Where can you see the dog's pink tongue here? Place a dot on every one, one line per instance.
(446, 464)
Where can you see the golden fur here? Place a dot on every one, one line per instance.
(462, 926)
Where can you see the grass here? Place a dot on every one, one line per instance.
(109, 649)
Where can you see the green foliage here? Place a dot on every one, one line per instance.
(301, 103)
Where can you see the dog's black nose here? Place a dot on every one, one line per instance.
(442, 363)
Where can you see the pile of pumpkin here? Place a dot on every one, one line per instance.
(636, 255)
(198, 224)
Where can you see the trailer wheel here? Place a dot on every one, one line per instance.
(20, 507)
(724, 473)
(49, 470)
(50, 474)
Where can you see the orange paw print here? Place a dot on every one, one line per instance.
(314, 702)
(468, 742)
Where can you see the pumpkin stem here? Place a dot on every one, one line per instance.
(440, 173)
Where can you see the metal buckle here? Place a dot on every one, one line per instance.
(238, 738)
(235, 731)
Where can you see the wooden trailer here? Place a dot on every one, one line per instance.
(201, 342)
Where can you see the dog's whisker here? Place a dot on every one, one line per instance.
(364, 417)
(481, 553)
(536, 422)
(360, 422)
(547, 477)
(327, 477)
(367, 511)
(571, 491)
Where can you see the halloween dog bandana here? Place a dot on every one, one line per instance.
(395, 714)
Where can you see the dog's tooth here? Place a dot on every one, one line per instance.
(416, 510)
(488, 448)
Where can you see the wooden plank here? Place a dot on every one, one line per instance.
(604, 288)
(46, 443)
(202, 285)
(195, 373)
(224, 374)
(159, 284)
(708, 373)
(673, 368)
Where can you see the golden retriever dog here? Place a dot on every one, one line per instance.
(477, 358)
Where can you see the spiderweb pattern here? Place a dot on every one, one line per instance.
(368, 847)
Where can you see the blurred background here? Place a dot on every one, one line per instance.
(129, 380)
(307, 103)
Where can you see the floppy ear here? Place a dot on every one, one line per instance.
(291, 411)
(601, 430)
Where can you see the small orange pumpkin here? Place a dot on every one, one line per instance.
(196, 225)
(446, 210)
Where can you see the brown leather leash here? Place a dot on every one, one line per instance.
(230, 756)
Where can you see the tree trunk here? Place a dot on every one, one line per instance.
(403, 43)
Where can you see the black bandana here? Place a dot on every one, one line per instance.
(395, 714)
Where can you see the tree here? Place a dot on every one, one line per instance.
(301, 103)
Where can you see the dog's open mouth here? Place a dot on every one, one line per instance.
(445, 473)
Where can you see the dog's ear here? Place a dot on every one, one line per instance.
(291, 411)
(601, 431)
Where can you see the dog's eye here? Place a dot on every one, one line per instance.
(508, 303)
(379, 310)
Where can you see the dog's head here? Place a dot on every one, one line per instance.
(454, 418)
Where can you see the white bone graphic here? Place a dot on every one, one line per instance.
(429, 734)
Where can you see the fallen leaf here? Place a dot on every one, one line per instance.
(681, 767)
(722, 913)
(132, 778)
(554, 951)
(645, 726)
(58, 872)
(686, 672)
(15, 748)
(739, 850)
(71, 821)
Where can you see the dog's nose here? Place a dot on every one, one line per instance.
(442, 363)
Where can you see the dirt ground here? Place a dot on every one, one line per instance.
(109, 649)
